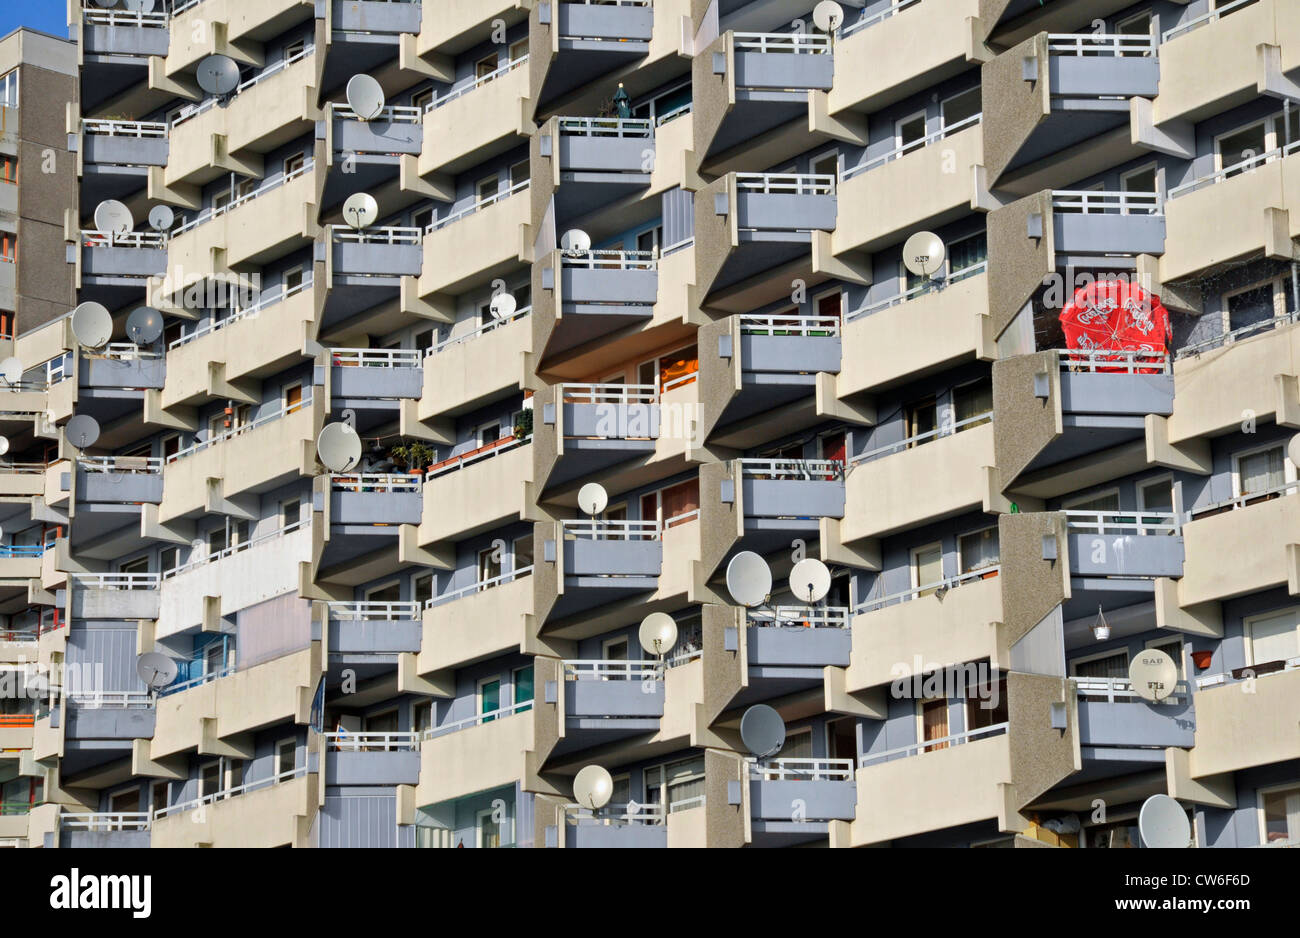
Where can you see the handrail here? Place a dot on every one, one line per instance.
(947, 429)
(197, 680)
(1238, 334)
(811, 617)
(1120, 690)
(236, 548)
(787, 325)
(480, 330)
(17, 720)
(1236, 169)
(876, 18)
(1126, 361)
(393, 113)
(1107, 202)
(22, 550)
(105, 821)
(956, 739)
(606, 127)
(230, 792)
(345, 741)
(376, 357)
(906, 148)
(368, 482)
(122, 352)
(805, 470)
(131, 464)
(23, 468)
(1097, 44)
(489, 717)
(947, 583)
(804, 770)
(117, 581)
(1111, 522)
(282, 411)
(20, 636)
(596, 529)
(455, 93)
(622, 394)
(610, 260)
(196, 109)
(496, 448)
(215, 325)
(925, 288)
(793, 43)
(498, 196)
(113, 700)
(209, 214)
(1243, 500)
(388, 234)
(632, 813)
(601, 669)
(678, 111)
(120, 128)
(123, 239)
(371, 611)
(787, 183)
(1211, 17)
(97, 16)
(478, 587)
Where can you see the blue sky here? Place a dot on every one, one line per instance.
(46, 15)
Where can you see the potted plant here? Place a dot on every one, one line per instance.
(415, 455)
(523, 428)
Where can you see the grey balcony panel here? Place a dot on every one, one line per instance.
(372, 768)
(1109, 234)
(123, 262)
(596, 698)
(606, 154)
(613, 558)
(580, 285)
(374, 636)
(394, 260)
(612, 421)
(1143, 555)
(7, 280)
(598, 836)
(1136, 723)
(370, 16)
(128, 151)
(9, 205)
(114, 604)
(1118, 394)
(119, 487)
(784, 70)
(109, 723)
(585, 21)
(118, 373)
(785, 211)
(98, 840)
(798, 498)
(797, 646)
(802, 800)
(362, 382)
(125, 40)
(790, 353)
(378, 136)
(376, 507)
(1097, 76)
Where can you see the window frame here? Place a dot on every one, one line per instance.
(1259, 809)
(914, 570)
(1288, 467)
(1248, 632)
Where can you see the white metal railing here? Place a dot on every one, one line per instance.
(792, 42)
(345, 741)
(225, 793)
(123, 352)
(368, 482)
(947, 429)
(215, 325)
(1236, 335)
(393, 113)
(609, 260)
(389, 234)
(117, 581)
(97, 16)
(802, 770)
(874, 19)
(1120, 690)
(1236, 169)
(376, 357)
(209, 214)
(132, 464)
(680, 380)
(606, 127)
(282, 411)
(918, 144)
(124, 239)
(947, 583)
(194, 110)
(600, 669)
(596, 529)
(489, 717)
(453, 463)
(372, 611)
(1217, 680)
(956, 739)
(812, 617)
(1211, 17)
(478, 82)
(615, 814)
(622, 394)
(1101, 202)
(478, 586)
(676, 112)
(454, 217)
(479, 330)
(802, 326)
(23, 468)
(1117, 522)
(804, 470)
(787, 183)
(235, 548)
(105, 821)
(1096, 44)
(1125, 361)
(113, 700)
(208, 675)
(119, 128)
(1244, 499)
(924, 288)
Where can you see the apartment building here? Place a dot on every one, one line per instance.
(658, 246)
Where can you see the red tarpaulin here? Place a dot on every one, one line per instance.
(1114, 315)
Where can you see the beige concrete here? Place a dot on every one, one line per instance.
(227, 27)
(1024, 424)
(454, 504)
(492, 118)
(475, 759)
(1249, 723)
(688, 828)
(496, 237)
(1240, 552)
(476, 371)
(273, 816)
(460, 24)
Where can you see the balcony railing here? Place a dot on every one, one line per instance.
(919, 144)
(487, 451)
(948, 429)
(376, 357)
(97, 16)
(123, 352)
(480, 330)
(206, 677)
(1098, 202)
(1122, 522)
(370, 611)
(1120, 690)
(1236, 335)
(113, 700)
(130, 464)
(1236, 169)
(1211, 17)
(22, 468)
(282, 411)
(483, 203)
(478, 587)
(620, 394)
(1115, 361)
(124, 239)
(521, 706)
(925, 589)
(209, 214)
(116, 128)
(615, 814)
(11, 721)
(22, 550)
(105, 822)
(19, 636)
(801, 326)
(215, 325)
(236, 548)
(343, 741)
(194, 110)
(606, 127)
(1099, 44)
(786, 183)
(921, 289)
(596, 529)
(804, 470)
(392, 114)
(1244, 500)
(789, 43)
(493, 75)
(367, 482)
(117, 581)
(230, 793)
(386, 235)
(599, 669)
(1247, 672)
(802, 770)
(876, 18)
(610, 260)
(931, 745)
(811, 617)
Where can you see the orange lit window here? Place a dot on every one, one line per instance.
(8, 246)
(8, 169)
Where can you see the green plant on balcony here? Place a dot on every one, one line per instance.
(523, 428)
(413, 455)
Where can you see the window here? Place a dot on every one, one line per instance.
(292, 398)
(422, 218)
(1258, 304)
(909, 133)
(1106, 664)
(986, 705)
(677, 785)
(295, 50)
(1273, 638)
(294, 163)
(388, 593)
(1113, 835)
(421, 716)
(927, 567)
(9, 88)
(1099, 501)
(290, 512)
(485, 66)
(922, 417)
(842, 738)
(8, 169)
(933, 716)
(169, 558)
(422, 98)
(286, 757)
(523, 552)
(651, 240)
(827, 164)
(489, 697)
(519, 173)
(977, 550)
(522, 680)
(124, 802)
(973, 400)
(671, 505)
(960, 107)
(135, 566)
(518, 49)
(489, 433)
(1261, 470)
(670, 371)
(385, 722)
(422, 588)
(1279, 815)
(490, 830)
(214, 658)
(8, 247)
(1173, 647)
(798, 745)
(487, 188)
(614, 649)
(210, 779)
(159, 795)
(1139, 24)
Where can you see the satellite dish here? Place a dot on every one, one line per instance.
(360, 210)
(161, 217)
(156, 669)
(92, 325)
(749, 579)
(762, 730)
(105, 3)
(503, 306)
(1153, 674)
(810, 580)
(592, 498)
(827, 16)
(1293, 450)
(112, 217)
(339, 447)
(144, 325)
(11, 369)
(4, 445)
(82, 431)
(924, 253)
(593, 786)
(139, 6)
(575, 241)
(218, 75)
(365, 97)
(1163, 824)
(658, 633)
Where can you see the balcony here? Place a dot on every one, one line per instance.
(599, 292)
(453, 506)
(500, 606)
(762, 504)
(21, 561)
(19, 645)
(601, 162)
(22, 479)
(364, 518)
(494, 231)
(105, 717)
(476, 367)
(114, 596)
(793, 799)
(585, 40)
(611, 699)
(759, 230)
(375, 146)
(598, 562)
(120, 366)
(782, 641)
(368, 629)
(115, 48)
(115, 156)
(1240, 546)
(477, 120)
(16, 731)
(1114, 721)
(79, 830)
(372, 758)
(373, 382)
(1144, 544)
(615, 826)
(1239, 727)
(598, 426)
(474, 754)
(1006, 22)
(114, 268)
(269, 812)
(1091, 223)
(376, 17)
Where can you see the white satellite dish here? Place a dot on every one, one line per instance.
(924, 253)
(82, 431)
(11, 370)
(575, 241)
(593, 786)
(503, 306)
(144, 325)
(218, 75)
(105, 3)
(156, 669)
(365, 97)
(161, 218)
(92, 325)
(762, 730)
(338, 447)
(658, 633)
(749, 579)
(1163, 824)
(827, 16)
(592, 498)
(139, 6)
(1293, 450)
(360, 210)
(112, 217)
(810, 580)
(4, 445)
(1153, 674)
